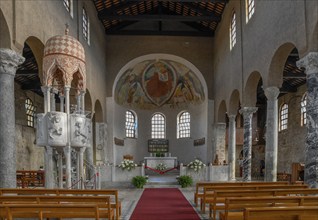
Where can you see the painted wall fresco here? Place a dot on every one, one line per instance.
(154, 83)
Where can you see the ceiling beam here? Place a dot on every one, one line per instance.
(27, 72)
(148, 17)
(197, 1)
(290, 75)
(198, 10)
(167, 33)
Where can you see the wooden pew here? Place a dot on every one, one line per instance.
(216, 202)
(105, 192)
(200, 185)
(282, 213)
(103, 202)
(42, 211)
(113, 192)
(208, 191)
(234, 206)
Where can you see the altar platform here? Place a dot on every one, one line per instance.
(152, 162)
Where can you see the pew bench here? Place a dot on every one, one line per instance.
(217, 200)
(208, 191)
(42, 211)
(200, 185)
(282, 213)
(115, 203)
(102, 202)
(235, 206)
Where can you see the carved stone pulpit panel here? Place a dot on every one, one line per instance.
(51, 129)
(57, 129)
(81, 131)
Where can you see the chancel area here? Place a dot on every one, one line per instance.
(102, 97)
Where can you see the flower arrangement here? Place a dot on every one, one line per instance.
(196, 165)
(127, 165)
(161, 167)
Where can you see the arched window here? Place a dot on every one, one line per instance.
(85, 26)
(68, 4)
(158, 126)
(131, 125)
(303, 104)
(30, 112)
(283, 117)
(250, 9)
(183, 125)
(233, 31)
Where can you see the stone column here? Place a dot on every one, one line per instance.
(61, 103)
(271, 134)
(67, 148)
(60, 171)
(81, 166)
(310, 63)
(232, 147)
(78, 103)
(48, 154)
(220, 142)
(9, 61)
(82, 95)
(247, 113)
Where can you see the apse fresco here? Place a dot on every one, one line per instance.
(154, 83)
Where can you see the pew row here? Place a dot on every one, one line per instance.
(42, 211)
(200, 185)
(217, 200)
(282, 213)
(234, 207)
(115, 203)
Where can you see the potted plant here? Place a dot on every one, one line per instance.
(185, 181)
(139, 181)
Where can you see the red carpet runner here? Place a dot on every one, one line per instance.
(163, 204)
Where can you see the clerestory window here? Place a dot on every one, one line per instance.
(303, 110)
(283, 120)
(30, 112)
(158, 126)
(131, 124)
(183, 125)
(233, 31)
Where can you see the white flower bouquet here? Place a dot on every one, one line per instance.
(127, 165)
(161, 167)
(196, 165)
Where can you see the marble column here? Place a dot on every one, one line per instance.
(271, 134)
(67, 148)
(310, 63)
(247, 113)
(232, 147)
(61, 103)
(220, 142)
(48, 154)
(9, 61)
(60, 171)
(81, 167)
(82, 95)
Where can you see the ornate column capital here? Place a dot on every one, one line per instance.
(271, 92)
(248, 111)
(9, 61)
(309, 62)
(232, 118)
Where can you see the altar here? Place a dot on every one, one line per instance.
(152, 162)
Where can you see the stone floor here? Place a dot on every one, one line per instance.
(130, 195)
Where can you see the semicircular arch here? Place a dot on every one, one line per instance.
(221, 113)
(37, 48)
(5, 35)
(276, 68)
(250, 89)
(234, 102)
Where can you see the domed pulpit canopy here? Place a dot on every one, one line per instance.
(64, 62)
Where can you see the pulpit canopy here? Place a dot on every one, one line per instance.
(64, 63)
